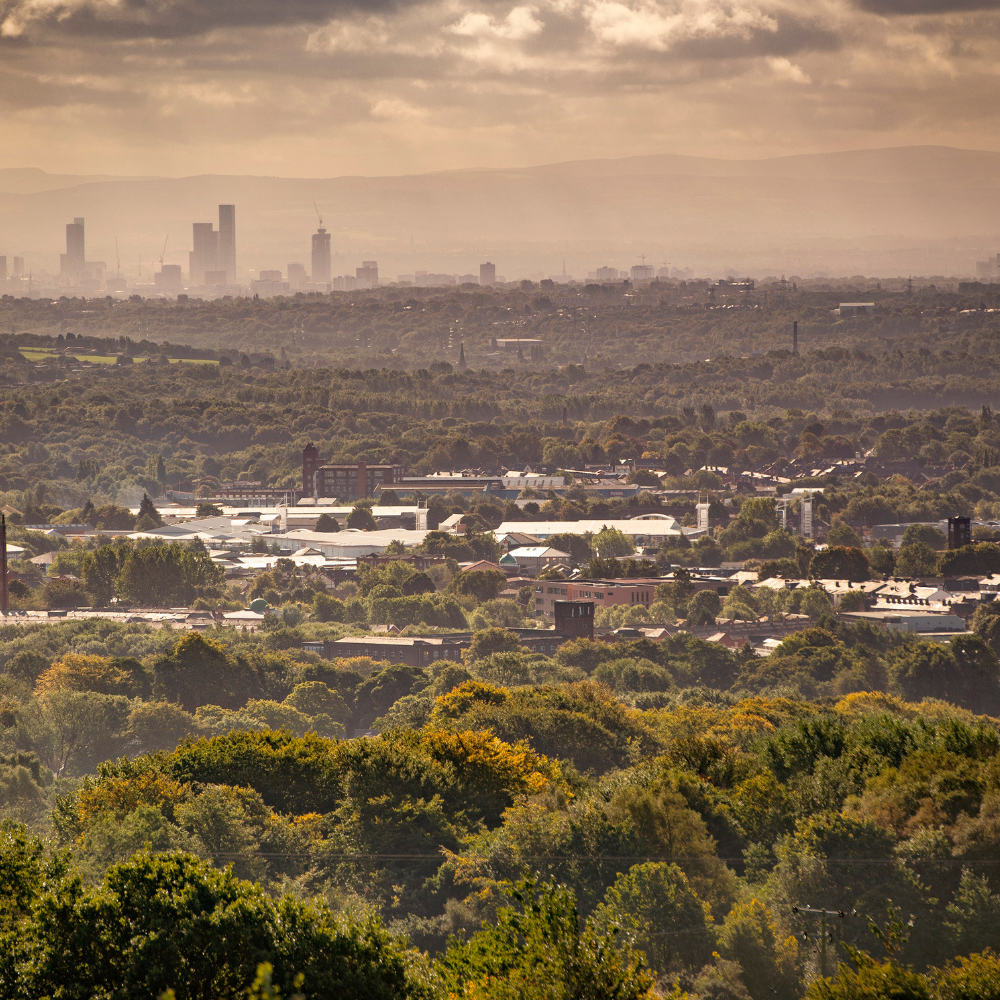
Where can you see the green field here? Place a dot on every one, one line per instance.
(43, 354)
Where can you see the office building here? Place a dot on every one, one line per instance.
(269, 283)
(321, 256)
(487, 274)
(367, 274)
(17, 270)
(205, 255)
(297, 276)
(345, 482)
(606, 274)
(169, 279)
(3, 269)
(227, 242)
(73, 263)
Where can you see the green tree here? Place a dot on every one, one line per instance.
(86, 727)
(973, 915)
(976, 560)
(100, 572)
(156, 469)
(703, 608)
(844, 535)
(538, 948)
(926, 533)
(750, 937)
(198, 671)
(327, 523)
(916, 559)
(376, 694)
(660, 914)
(492, 640)
(578, 546)
(316, 698)
(840, 563)
(362, 518)
(483, 585)
(148, 514)
(165, 575)
(143, 932)
(780, 569)
(612, 543)
(882, 559)
(965, 674)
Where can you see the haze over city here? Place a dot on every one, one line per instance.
(710, 135)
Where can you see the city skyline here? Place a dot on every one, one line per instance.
(925, 211)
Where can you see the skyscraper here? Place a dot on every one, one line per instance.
(3, 270)
(321, 255)
(73, 263)
(367, 274)
(487, 274)
(205, 255)
(227, 242)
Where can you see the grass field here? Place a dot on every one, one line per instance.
(43, 354)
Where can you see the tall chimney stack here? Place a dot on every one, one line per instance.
(4, 594)
(795, 337)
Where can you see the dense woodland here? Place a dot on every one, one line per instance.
(670, 805)
(593, 325)
(203, 814)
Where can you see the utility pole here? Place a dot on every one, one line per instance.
(825, 936)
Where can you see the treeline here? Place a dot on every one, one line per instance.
(143, 574)
(672, 802)
(409, 328)
(146, 429)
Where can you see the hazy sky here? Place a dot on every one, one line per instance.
(328, 87)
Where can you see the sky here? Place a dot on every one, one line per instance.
(322, 88)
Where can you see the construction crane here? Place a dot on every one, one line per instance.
(318, 216)
(163, 251)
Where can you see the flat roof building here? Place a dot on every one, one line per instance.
(227, 242)
(321, 256)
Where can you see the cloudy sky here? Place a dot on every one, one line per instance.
(331, 87)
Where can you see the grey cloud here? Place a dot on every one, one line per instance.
(895, 8)
(793, 36)
(173, 18)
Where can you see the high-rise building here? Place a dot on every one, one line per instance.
(73, 263)
(367, 274)
(17, 271)
(3, 270)
(321, 256)
(169, 279)
(227, 242)
(487, 274)
(297, 276)
(205, 255)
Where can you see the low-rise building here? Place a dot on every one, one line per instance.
(532, 559)
(647, 529)
(423, 651)
(603, 593)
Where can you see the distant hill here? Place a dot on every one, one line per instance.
(922, 209)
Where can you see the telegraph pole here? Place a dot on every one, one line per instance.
(825, 936)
